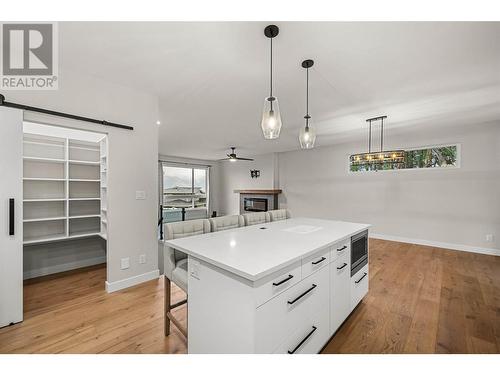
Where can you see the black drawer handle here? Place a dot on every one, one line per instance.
(342, 266)
(303, 294)
(284, 280)
(11, 216)
(342, 248)
(314, 328)
(362, 277)
(319, 261)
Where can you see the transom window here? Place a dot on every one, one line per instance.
(446, 156)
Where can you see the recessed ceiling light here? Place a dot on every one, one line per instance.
(158, 122)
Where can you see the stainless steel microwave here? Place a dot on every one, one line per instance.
(359, 251)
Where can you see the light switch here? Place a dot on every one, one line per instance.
(140, 194)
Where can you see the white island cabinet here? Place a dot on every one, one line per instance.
(280, 287)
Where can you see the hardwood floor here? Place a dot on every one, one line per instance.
(421, 300)
(425, 300)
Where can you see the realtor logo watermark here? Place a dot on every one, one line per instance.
(29, 58)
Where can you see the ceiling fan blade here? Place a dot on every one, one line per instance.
(244, 159)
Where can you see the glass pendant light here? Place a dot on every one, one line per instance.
(271, 117)
(307, 135)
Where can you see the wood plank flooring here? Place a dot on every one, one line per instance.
(421, 300)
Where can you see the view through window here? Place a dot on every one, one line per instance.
(185, 193)
(425, 157)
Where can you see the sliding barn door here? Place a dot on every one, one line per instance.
(11, 216)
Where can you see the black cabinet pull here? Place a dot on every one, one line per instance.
(362, 277)
(319, 261)
(314, 328)
(11, 216)
(342, 266)
(283, 281)
(342, 248)
(303, 294)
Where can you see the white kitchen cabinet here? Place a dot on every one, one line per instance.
(268, 291)
(340, 299)
(285, 313)
(340, 249)
(359, 286)
(315, 262)
(310, 335)
(285, 279)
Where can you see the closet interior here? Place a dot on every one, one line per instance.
(64, 199)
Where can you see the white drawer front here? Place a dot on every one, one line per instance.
(282, 315)
(340, 249)
(310, 337)
(278, 284)
(315, 262)
(340, 292)
(359, 286)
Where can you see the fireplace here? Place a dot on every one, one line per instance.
(258, 200)
(255, 204)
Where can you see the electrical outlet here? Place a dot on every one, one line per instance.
(194, 269)
(125, 263)
(142, 258)
(140, 194)
(489, 237)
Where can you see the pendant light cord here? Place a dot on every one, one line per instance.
(271, 69)
(382, 135)
(370, 137)
(307, 93)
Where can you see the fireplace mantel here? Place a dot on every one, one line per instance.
(260, 191)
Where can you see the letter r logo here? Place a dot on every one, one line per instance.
(27, 49)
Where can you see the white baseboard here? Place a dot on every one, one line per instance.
(131, 281)
(444, 245)
(44, 271)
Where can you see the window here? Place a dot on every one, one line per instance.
(426, 157)
(185, 193)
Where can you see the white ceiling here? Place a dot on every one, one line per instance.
(211, 78)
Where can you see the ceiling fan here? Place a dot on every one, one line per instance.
(232, 156)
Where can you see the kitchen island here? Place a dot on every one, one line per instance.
(280, 287)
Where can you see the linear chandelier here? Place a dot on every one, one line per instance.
(378, 157)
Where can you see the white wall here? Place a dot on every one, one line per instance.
(455, 206)
(133, 157)
(236, 175)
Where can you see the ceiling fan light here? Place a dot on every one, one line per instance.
(271, 118)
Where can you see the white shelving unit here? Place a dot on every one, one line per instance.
(103, 161)
(63, 194)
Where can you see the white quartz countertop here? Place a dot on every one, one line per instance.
(253, 252)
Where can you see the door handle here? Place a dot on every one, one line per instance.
(362, 277)
(302, 295)
(11, 216)
(342, 248)
(342, 266)
(283, 281)
(319, 261)
(314, 328)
